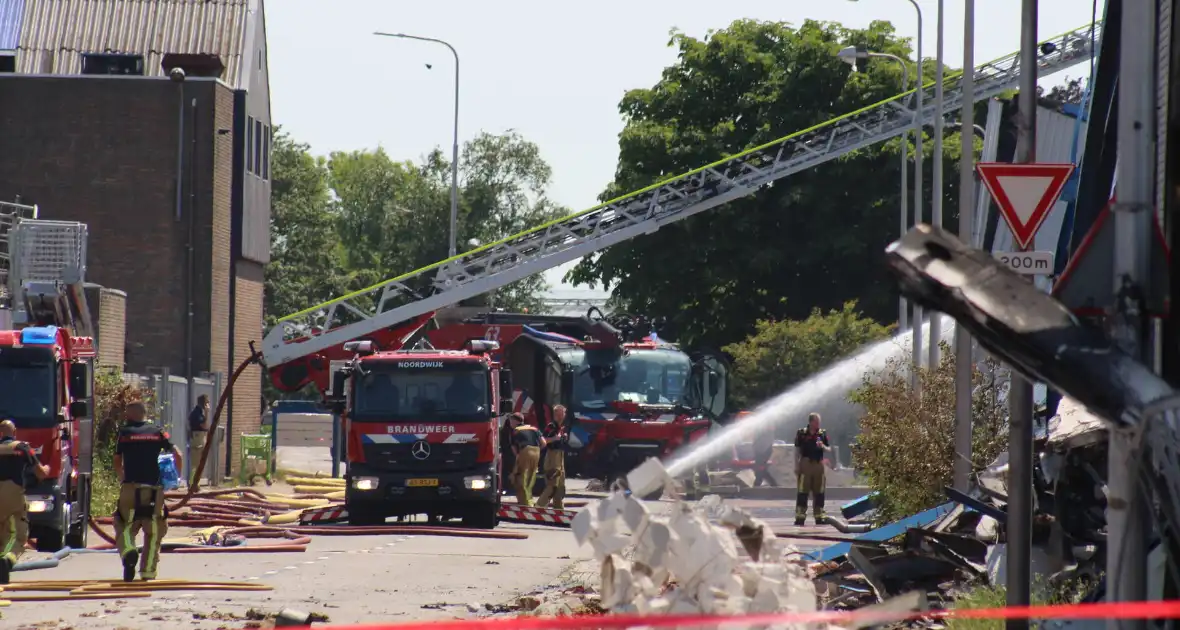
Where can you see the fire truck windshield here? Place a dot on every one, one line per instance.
(27, 387)
(657, 377)
(455, 393)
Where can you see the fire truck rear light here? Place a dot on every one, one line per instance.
(477, 483)
(40, 504)
(364, 483)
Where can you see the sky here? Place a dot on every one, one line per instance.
(552, 71)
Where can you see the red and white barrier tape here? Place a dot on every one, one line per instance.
(1169, 609)
(543, 516)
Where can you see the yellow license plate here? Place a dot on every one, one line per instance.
(421, 483)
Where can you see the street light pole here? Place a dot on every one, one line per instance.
(916, 325)
(451, 249)
(936, 194)
(850, 55)
(964, 361)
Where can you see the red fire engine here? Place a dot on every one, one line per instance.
(47, 374)
(422, 431)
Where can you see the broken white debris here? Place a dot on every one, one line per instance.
(683, 564)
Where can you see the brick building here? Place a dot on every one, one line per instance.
(170, 170)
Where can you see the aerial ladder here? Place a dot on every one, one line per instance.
(300, 346)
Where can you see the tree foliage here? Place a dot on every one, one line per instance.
(812, 240)
(782, 353)
(905, 449)
(355, 218)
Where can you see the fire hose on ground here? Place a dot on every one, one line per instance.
(252, 514)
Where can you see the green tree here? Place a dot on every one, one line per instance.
(905, 449)
(395, 216)
(812, 240)
(782, 353)
(304, 267)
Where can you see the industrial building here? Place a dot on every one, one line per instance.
(149, 120)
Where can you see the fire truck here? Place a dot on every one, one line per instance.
(47, 354)
(629, 394)
(422, 429)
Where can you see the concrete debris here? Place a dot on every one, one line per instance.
(963, 547)
(685, 564)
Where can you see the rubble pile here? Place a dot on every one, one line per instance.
(685, 564)
(960, 545)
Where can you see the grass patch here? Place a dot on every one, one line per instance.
(1042, 594)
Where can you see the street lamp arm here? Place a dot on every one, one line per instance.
(421, 39)
(451, 248)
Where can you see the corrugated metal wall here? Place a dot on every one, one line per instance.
(11, 12)
(54, 34)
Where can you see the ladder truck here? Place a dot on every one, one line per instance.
(47, 355)
(305, 348)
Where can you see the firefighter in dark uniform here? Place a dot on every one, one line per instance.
(810, 445)
(526, 445)
(17, 460)
(141, 493)
(553, 466)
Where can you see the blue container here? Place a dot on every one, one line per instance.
(169, 477)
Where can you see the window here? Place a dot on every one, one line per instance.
(657, 377)
(266, 152)
(111, 63)
(453, 392)
(7, 62)
(257, 147)
(249, 145)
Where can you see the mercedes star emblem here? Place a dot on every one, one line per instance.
(420, 450)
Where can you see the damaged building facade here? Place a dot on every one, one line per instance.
(150, 122)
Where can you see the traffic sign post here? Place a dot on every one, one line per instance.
(1025, 193)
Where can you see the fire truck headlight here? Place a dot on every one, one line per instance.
(40, 504)
(364, 483)
(477, 483)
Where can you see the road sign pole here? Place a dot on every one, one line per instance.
(1020, 442)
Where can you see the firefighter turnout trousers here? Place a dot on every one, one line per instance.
(554, 467)
(524, 475)
(811, 481)
(141, 507)
(14, 522)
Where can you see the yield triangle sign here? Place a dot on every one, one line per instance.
(1025, 193)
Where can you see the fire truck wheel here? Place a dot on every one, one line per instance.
(364, 517)
(482, 516)
(49, 540)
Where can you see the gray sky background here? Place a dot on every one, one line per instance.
(554, 71)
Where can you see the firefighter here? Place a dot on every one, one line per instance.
(810, 445)
(141, 493)
(17, 460)
(526, 446)
(763, 449)
(554, 465)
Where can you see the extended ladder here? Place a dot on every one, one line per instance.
(642, 212)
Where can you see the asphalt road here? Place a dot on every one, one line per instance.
(351, 579)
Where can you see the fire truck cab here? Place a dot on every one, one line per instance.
(46, 381)
(422, 431)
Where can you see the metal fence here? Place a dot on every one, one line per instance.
(173, 405)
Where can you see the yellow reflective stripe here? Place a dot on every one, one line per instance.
(11, 536)
(152, 545)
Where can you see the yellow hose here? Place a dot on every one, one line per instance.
(314, 481)
(286, 518)
(315, 489)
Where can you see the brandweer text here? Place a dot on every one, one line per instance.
(415, 429)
